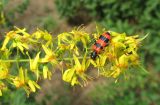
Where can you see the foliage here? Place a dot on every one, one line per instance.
(120, 16)
(48, 23)
(140, 91)
(17, 97)
(2, 18)
(41, 52)
(7, 17)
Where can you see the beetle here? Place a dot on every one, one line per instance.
(100, 44)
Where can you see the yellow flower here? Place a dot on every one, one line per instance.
(63, 47)
(113, 72)
(38, 34)
(33, 85)
(19, 81)
(0, 92)
(80, 35)
(100, 62)
(9, 36)
(118, 38)
(50, 55)
(34, 63)
(3, 70)
(64, 38)
(20, 46)
(74, 81)
(46, 73)
(81, 67)
(68, 75)
(20, 41)
(43, 35)
(134, 58)
(3, 74)
(2, 87)
(71, 75)
(66, 41)
(22, 31)
(71, 39)
(123, 61)
(23, 81)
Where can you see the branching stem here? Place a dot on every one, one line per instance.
(27, 60)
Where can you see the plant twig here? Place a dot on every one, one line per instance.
(28, 60)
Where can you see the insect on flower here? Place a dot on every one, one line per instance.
(100, 44)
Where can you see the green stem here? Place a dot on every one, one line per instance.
(72, 58)
(12, 60)
(27, 60)
(17, 60)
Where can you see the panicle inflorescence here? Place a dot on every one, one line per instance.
(70, 51)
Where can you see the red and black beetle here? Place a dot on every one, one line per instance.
(100, 44)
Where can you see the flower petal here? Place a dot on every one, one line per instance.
(68, 75)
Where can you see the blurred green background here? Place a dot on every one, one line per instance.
(56, 16)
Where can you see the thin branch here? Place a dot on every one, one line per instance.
(28, 60)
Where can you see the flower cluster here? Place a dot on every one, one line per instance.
(70, 51)
(19, 45)
(117, 58)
